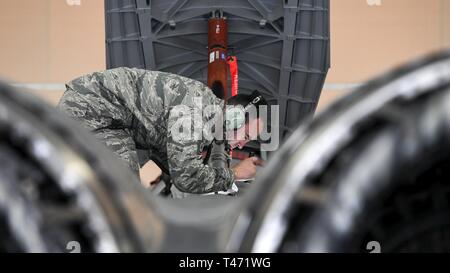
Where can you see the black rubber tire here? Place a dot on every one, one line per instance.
(388, 185)
(62, 186)
(331, 185)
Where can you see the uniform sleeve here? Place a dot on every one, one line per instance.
(122, 145)
(110, 122)
(187, 171)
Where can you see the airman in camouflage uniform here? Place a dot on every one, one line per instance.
(130, 109)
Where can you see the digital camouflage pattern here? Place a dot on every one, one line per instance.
(130, 109)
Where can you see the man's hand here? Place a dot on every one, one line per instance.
(246, 169)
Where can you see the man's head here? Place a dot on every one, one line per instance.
(243, 121)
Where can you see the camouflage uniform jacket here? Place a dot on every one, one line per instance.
(130, 109)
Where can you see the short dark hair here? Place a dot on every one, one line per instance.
(244, 100)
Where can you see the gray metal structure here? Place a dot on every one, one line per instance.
(373, 167)
(283, 47)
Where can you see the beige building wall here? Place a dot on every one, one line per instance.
(369, 40)
(45, 43)
(50, 42)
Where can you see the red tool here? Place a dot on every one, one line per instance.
(218, 61)
(232, 62)
(217, 55)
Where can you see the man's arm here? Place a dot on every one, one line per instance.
(187, 171)
(120, 142)
(104, 117)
